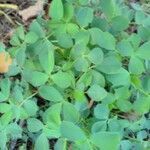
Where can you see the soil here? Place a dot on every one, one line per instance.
(7, 24)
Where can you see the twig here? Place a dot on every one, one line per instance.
(7, 17)
(90, 104)
(27, 99)
(10, 6)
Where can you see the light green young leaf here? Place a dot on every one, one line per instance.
(4, 107)
(68, 11)
(31, 37)
(56, 10)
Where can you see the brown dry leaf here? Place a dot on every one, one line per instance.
(32, 11)
(5, 61)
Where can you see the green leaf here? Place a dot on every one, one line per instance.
(136, 66)
(72, 28)
(4, 107)
(6, 118)
(5, 89)
(125, 48)
(3, 140)
(62, 79)
(121, 78)
(144, 52)
(96, 56)
(72, 132)
(53, 10)
(14, 130)
(106, 140)
(2, 47)
(34, 125)
(107, 7)
(126, 145)
(120, 23)
(84, 16)
(103, 39)
(21, 55)
(78, 50)
(96, 92)
(20, 32)
(70, 113)
(65, 41)
(98, 78)
(81, 64)
(124, 105)
(31, 37)
(142, 105)
(37, 29)
(41, 143)
(61, 144)
(99, 126)
(68, 11)
(14, 41)
(35, 78)
(46, 57)
(52, 115)
(30, 107)
(110, 65)
(82, 37)
(50, 93)
(101, 111)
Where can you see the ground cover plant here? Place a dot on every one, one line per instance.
(79, 80)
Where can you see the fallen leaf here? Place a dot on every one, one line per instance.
(32, 11)
(5, 61)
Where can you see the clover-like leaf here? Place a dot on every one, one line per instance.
(50, 93)
(96, 92)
